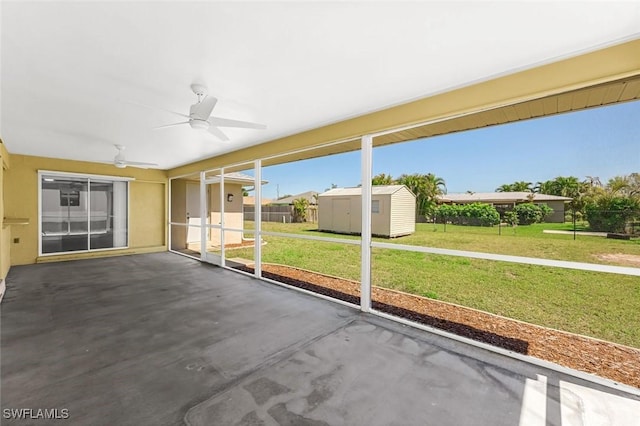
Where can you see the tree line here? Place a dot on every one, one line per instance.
(607, 207)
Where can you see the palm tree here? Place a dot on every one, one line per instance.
(382, 179)
(436, 185)
(426, 188)
(634, 184)
(566, 186)
(618, 185)
(545, 187)
(506, 187)
(571, 187)
(521, 186)
(300, 206)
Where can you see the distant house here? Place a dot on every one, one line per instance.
(281, 210)
(310, 196)
(506, 201)
(185, 209)
(250, 200)
(393, 211)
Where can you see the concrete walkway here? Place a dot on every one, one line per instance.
(160, 339)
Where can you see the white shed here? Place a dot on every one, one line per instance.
(393, 211)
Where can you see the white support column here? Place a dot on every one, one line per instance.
(257, 219)
(88, 213)
(365, 255)
(169, 195)
(203, 218)
(222, 201)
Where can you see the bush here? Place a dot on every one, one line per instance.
(447, 212)
(511, 218)
(529, 213)
(475, 214)
(611, 214)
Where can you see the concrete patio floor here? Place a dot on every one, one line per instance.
(161, 339)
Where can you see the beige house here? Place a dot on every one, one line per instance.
(185, 208)
(505, 201)
(393, 211)
(310, 196)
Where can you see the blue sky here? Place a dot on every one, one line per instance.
(602, 142)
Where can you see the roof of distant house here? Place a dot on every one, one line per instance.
(309, 195)
(499, 197)
(375, 190)
(248, 200)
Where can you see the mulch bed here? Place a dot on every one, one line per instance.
(605, 359)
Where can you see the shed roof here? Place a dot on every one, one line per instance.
(499, 197)
(375, 190)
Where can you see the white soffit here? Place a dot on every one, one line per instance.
(69, 70)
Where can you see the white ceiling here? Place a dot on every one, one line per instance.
(71, 72)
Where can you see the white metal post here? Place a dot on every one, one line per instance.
(203, 218)
(257, 219)
(222, 200)
(365, 254)
(169, 195)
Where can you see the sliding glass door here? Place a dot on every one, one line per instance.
(81, 213)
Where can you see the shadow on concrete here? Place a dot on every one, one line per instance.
(304, 285)
(464, 330)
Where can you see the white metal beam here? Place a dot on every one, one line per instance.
(365, 243)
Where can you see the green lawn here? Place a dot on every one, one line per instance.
(596, 304)
(523, 241)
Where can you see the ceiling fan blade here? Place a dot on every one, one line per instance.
(225, 122)
(218, 133)
(204, 108)
(158, 109)
(171, 125)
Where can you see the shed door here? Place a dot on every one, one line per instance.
(341, 215)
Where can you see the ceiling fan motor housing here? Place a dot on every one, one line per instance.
(199, 124)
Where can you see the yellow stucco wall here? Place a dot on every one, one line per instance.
(147, 211)
(5, 231)
(148, 202)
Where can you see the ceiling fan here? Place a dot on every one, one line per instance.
(121, 163)
(200, 117)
